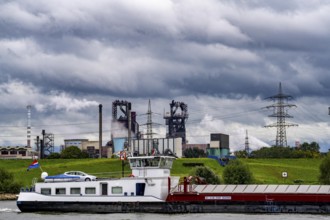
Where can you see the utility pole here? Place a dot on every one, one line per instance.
(280, 108)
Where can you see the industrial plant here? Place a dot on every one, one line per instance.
(125, 134)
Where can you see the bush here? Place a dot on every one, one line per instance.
(54, 156)
(194, 152)
(73, 152)
(324, 177)
(206, 173)
(7, 183)
(237, 173)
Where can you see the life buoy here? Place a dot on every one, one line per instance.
(131, 175)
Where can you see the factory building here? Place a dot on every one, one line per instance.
(16, 152)
(203, 147)
(219, 145)
(90, 147)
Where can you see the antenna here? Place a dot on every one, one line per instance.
(280, 108)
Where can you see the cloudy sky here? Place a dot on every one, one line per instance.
(221, 58)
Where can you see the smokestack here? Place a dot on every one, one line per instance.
(100, 131)
(42, 145)
(41, 149)
(129, 126)
(28, 144)
(38, 148)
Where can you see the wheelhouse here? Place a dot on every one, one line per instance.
(151, 165)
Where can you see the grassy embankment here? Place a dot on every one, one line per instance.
(265, 171)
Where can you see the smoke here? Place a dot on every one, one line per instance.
(62, 101)
(118, 130)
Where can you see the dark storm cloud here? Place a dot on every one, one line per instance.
(110, 41)
(68, 56)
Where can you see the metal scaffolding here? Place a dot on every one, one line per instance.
(176, 121)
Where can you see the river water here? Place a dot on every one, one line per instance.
(9, 211)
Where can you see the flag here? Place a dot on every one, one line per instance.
(34, 164)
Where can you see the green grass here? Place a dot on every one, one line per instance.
(180, 170)
(265, 171)
(99, 167)
(269, 171)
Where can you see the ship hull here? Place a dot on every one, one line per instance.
(177, 207)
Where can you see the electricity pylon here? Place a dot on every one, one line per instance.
(280, 108)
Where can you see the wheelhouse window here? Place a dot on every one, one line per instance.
(166, 163)
(60, 191)
(117, 190)
(90, 190)
(136, 163)
(45, 191)
(75, 191)
(156, 162)
(132, 162)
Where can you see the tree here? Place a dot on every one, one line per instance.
(304, 146)
(237, 173)
(241, 154)
(324, 177)
(73, 152)
(54, 156)
(315, 147)
(194, 152)
(206, 173)
(7, 183)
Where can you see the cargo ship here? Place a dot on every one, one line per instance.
(151, 189)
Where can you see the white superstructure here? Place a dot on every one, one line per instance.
(150, 182)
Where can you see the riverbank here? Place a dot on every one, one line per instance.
(265, 171)
(6, 196)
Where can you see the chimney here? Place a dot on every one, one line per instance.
(100, 131)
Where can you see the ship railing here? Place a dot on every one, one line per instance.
(27, 189)
(112, 175)
(182, 188)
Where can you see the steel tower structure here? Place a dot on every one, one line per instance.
(280, 108)
(125, 116)
(152, 143)
(176, 121)
(149, 122)
(247, 145)
(47, 144)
